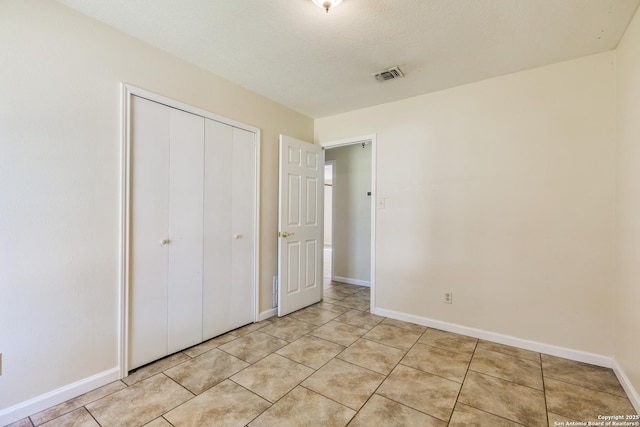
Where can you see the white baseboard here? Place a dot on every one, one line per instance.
(350, 281)
(55, 397)
(567, 353)
(631, 391)
(267, 314)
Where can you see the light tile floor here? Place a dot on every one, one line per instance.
(335, 364)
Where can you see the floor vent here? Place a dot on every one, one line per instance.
(389, 74)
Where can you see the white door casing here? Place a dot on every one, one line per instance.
(300, 218)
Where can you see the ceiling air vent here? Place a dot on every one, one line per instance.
(389, 74)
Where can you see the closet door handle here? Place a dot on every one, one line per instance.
(237, 236)
(164, 241)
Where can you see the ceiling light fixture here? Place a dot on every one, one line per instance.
(327, 4)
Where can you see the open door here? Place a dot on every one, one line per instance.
(300, 225)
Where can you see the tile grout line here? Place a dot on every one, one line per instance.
(544, 390)
(357, 313)
(502, 379)
(314, 371)
(505, 380)
(389, 374)
(588, 388)
(256, 394)
(92, 416)
(326, 363)
(82, 406)
(333, 400)
(466, 372)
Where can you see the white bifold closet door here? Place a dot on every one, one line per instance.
(192, 221)
(229, 227)
(185, 236)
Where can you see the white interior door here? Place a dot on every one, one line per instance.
(300, 224)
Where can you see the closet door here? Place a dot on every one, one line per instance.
(229, 228)
(193, 221)
(218, 234)
(165, 299)
(149, 219)
(243, 204)
(186, 164)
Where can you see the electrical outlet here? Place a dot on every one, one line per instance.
(448, 297)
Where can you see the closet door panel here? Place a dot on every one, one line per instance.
(243, 177)
(218, 234)
(149, 223)
(192, 229)
(185, 230)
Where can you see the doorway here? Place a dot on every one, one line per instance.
(328, 223)
(349, 251)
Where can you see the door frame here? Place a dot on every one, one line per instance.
(127, 91)
(333, 212)
(369, 139)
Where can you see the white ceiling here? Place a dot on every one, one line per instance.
(320, 64)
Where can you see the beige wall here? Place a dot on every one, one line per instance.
(60, 109)
(501, 192)
(352, 210)
(627, 310)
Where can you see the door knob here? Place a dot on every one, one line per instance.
(285, 234)
(164, 241)
(237, 236)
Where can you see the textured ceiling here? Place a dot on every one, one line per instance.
(320, 64)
